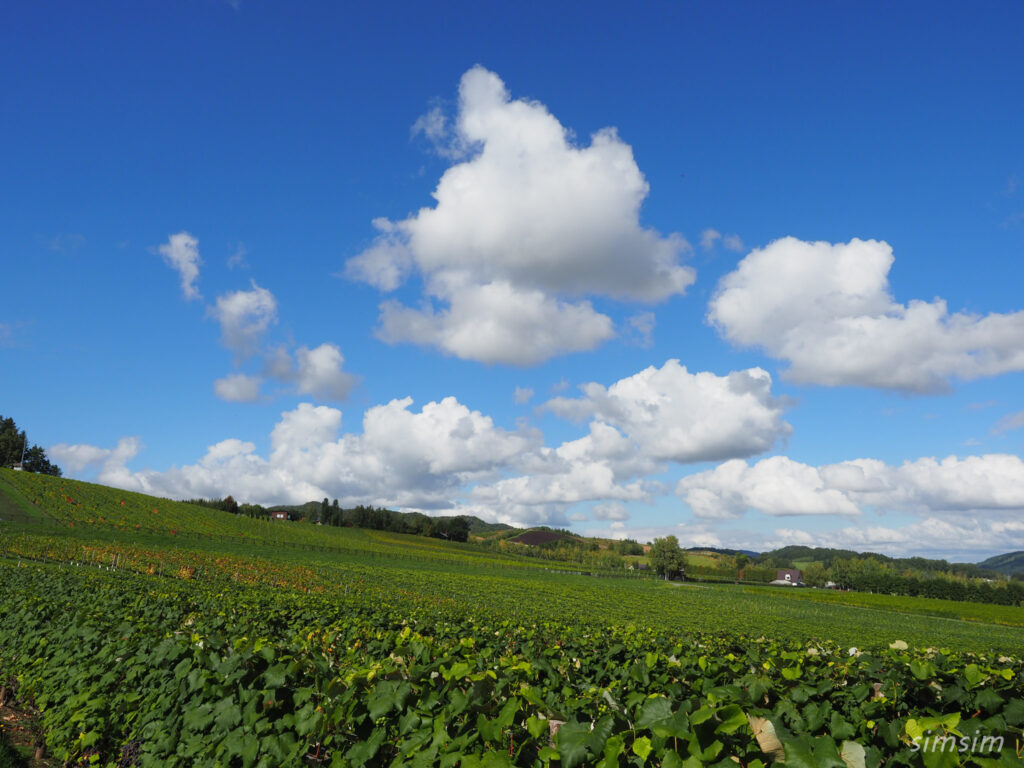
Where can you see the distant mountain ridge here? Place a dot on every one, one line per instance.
(721, 551)
(1011, 563)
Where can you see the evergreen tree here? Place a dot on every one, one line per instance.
(13, 443)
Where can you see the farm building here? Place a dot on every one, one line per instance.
(281, 515)
(788, 577)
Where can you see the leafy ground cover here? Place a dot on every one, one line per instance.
(177, 672)
(527, 594)
(350, 647)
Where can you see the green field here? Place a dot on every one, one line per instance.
(238, 642)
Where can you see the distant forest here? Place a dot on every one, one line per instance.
(871, 572)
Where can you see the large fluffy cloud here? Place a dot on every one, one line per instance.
(672, 414)
(522, 228)
(926, 486)
(446, 456)
(181, 253)
(774, 486)
(826, 309)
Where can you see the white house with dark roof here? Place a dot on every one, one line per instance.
(789, 577)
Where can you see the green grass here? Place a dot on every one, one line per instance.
(9, 758)
(917, 606)
(710, 561)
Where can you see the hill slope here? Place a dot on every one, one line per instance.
(1011, 563)
(40, 504)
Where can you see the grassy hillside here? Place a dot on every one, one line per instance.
(80, 510)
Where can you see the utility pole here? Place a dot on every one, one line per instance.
(24, 445)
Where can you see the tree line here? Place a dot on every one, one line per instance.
(847, 570)
(332, 513)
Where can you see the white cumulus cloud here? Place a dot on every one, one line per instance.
(925, 486)
(672, 414)
(827, 310)
(523, 228)
(75, 458)
(402, 458)
(446, 456)
(774, 486)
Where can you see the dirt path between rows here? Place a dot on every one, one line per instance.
(18, 730)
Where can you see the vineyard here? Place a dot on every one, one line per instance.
(306, 646)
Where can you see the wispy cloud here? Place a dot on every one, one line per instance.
(65, 243)
(642, 329)
(522, 395)
(1008, 423)
(237, 258)
(181, 253)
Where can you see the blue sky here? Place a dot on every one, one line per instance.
(237, 237)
